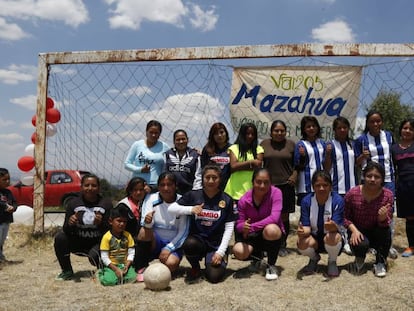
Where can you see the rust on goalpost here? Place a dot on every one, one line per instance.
(45, 60)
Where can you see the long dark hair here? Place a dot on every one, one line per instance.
(303, 122)
(345, 121)
(132, 183)
(369, 115)
(154, 123)
(241, 141)
(211, 145)
(409, 120)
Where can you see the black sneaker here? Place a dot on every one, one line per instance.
(193, 276)
(64, 276)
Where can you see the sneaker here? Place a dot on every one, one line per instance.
(283, 252)
(193, 276)
(372, 251)
(312, 265)
(347, 249)
(380, 270)
(140, 275)
(271, 273)
(333, 270)
(393, 254)
(408, 252)
(64, 276)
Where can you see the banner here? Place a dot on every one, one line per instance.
(263, 94)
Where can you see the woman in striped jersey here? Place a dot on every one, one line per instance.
(309, 155)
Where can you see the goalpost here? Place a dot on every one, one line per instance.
(106, 97)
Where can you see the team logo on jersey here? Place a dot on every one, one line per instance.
(209, 215)
(222, 204)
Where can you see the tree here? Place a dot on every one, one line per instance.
(388, 103)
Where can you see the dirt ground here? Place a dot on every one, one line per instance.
(27, 283)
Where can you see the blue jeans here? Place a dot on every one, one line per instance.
(4, 230)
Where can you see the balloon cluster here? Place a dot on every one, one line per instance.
(27, 162)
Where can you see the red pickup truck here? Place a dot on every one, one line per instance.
(59, 185)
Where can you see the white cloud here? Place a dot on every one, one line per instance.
(18, 73)
(28, 102)
(336, 31)
(71, 12)
(136, 91)
(11, 137)
(203, 20)
(5, 123)
(131, 14)
(11, 31)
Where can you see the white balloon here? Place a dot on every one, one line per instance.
(51, 129)
(29, 150)
(23, 215)
(27, 179)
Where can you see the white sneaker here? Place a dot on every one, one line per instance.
(393, 254)
(347, 249)
(271, 273)
(380, 270)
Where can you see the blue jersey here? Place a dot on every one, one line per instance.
(343, 166)
(217, 211)
(309, 208)
(380, 151)
(314, 157)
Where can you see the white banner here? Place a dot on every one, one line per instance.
(263, 94)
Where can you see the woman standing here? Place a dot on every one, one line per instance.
(259, 226)
(86, 221)
(215, 151)
(278, 159)
(245, 156)
(146, 157)
(403, 158)
(309, 154)
(211, 227)
(184, 163)
(368, 216)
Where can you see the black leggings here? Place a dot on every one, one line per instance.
(195, 249)
(64, 245)
(378, 238)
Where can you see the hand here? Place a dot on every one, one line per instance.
(356, 238)
(256, 163)
(383, 212)
(365, 152)
(125, 270)
(216, 259)
(301, 232)
(165, 253)
(98, 218)
(197, 209)
(246, 228)
(328, 149)
(302, 150)
(74, 219)
(119, 273)
(149, 217)
(10, 208)
(330, 226)
(146, 168)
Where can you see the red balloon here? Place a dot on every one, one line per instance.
(26, 163)
(33, 138)
(34, 120)
(52, 115)
(49, 103)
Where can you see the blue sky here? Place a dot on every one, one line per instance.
(29, 27)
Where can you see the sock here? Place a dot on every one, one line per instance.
(310, 252)
(333, 251)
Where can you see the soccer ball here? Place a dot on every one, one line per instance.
(157, 276)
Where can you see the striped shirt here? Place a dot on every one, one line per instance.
(343, 166)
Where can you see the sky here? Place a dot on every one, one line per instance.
(29, 27)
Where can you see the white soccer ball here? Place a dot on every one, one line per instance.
(157, 276)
